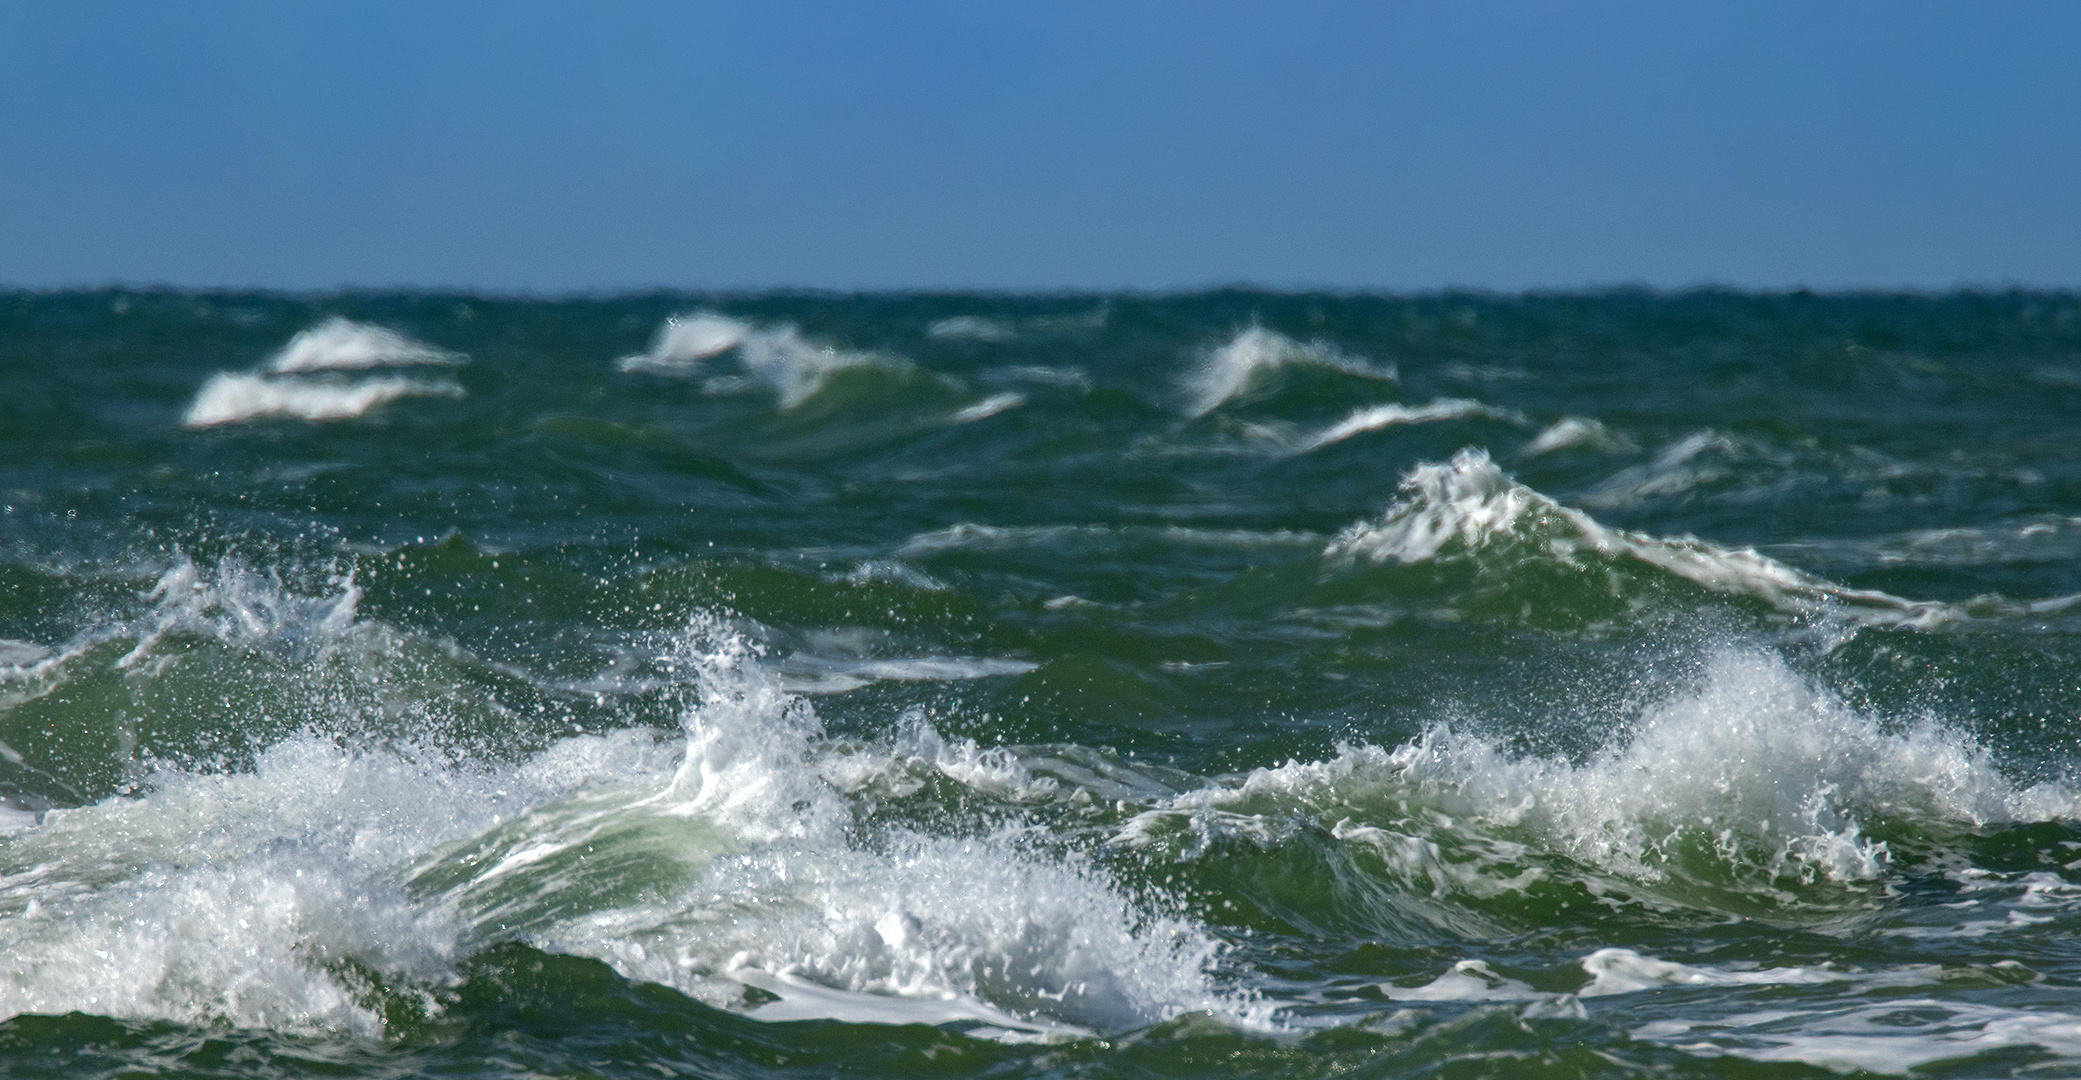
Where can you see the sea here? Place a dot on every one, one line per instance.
(1226, 684)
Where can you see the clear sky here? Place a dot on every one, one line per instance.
(615, 144)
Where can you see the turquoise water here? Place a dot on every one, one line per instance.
(1233, 684)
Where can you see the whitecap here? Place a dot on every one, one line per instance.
(305, 380)
(341, 344)
(686, 340)
(1230, 369)
(1574, 431)
(779, 357)
(1468, 504)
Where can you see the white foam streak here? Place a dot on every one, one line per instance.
(1384, 416)
(1229, 370)
(990, 406)
(1623, 971)
(1870, 1037)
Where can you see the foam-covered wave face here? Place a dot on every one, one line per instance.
(1754, 794)
(727, 859)
(306, 380)
(779, 357)
(1229, 371)
(1467, 511)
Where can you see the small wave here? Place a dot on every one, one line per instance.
(341, 344)
(1573, 431)
(1468, 505)
(1230, 369)
(1383, 416)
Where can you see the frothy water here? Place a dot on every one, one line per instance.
(1244, 684)
(720, 861)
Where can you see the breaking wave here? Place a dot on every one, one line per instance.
(779, 357)
(1230, 370)
(1467, 509)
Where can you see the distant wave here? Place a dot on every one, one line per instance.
(306, 380)
(793, 366)
(1229, 370)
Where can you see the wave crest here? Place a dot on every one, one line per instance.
(1229, 370)
(1468, 508)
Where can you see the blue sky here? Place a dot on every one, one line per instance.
(898, 144)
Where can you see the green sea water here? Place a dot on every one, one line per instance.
(1229, 684)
